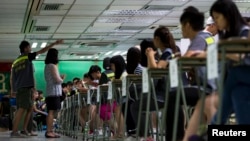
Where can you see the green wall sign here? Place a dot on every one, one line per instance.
(4, 82)
(70, 68)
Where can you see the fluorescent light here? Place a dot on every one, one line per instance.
(124, 53)
(89, 57)
(37, 57)
(117, 52)
(136, 12)
(108, 53)
(34, 45)
(43, 44)
(82, 57)
(244, 1)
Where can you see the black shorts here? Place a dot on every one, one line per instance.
(53, 103)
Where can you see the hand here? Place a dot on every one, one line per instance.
(58, 42)
(12, 94)
(149, 51)
(196, 53)
(45, 113)
(63, 76)
(43, 107)
(177, 55)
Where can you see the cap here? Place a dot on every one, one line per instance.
(209, 21)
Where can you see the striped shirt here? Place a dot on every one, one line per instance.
(138, 69)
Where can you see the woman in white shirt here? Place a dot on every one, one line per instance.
(53, 89)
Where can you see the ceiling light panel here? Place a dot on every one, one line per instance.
(84, 12)
(93, 2)
(66, 24)
(123, 7)
(110, 37)
(127, 19)
(87, 7)
(120, 34)
(136, 24)
(59, 1)
(77, 19)
(99, 30)
(130, 2)
(91, 37)
(169, 2)
(38, 36)
(65, 36)
(135, 13)
(110, 25)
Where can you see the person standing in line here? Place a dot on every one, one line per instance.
(53, 89)
(22, 83)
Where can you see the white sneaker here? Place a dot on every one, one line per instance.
(100, 132)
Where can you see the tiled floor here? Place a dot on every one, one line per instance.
(5, 136)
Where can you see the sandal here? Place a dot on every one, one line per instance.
(49, 136)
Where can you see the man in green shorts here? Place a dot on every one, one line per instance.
(22, 83)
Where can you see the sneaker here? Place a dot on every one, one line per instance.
(25, 133)
(16, 135)
(100, 132)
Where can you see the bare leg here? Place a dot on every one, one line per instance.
(193, 124)
(154, 120)
(83, 114)
(120, 120)
(50, 118)
(27, 119)
(92, 112)
(211, 104)
(17, 119)
(209, 111)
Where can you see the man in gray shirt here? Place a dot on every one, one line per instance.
(23, 82)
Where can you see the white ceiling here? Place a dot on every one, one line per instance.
(92, 29)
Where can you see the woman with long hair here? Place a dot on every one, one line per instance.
(53, 89)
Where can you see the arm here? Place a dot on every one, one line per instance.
(197, 46)
(55, 74)
(152, 62)
(38, 111)
(43, 50)
(191, 53)
(12, 85)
